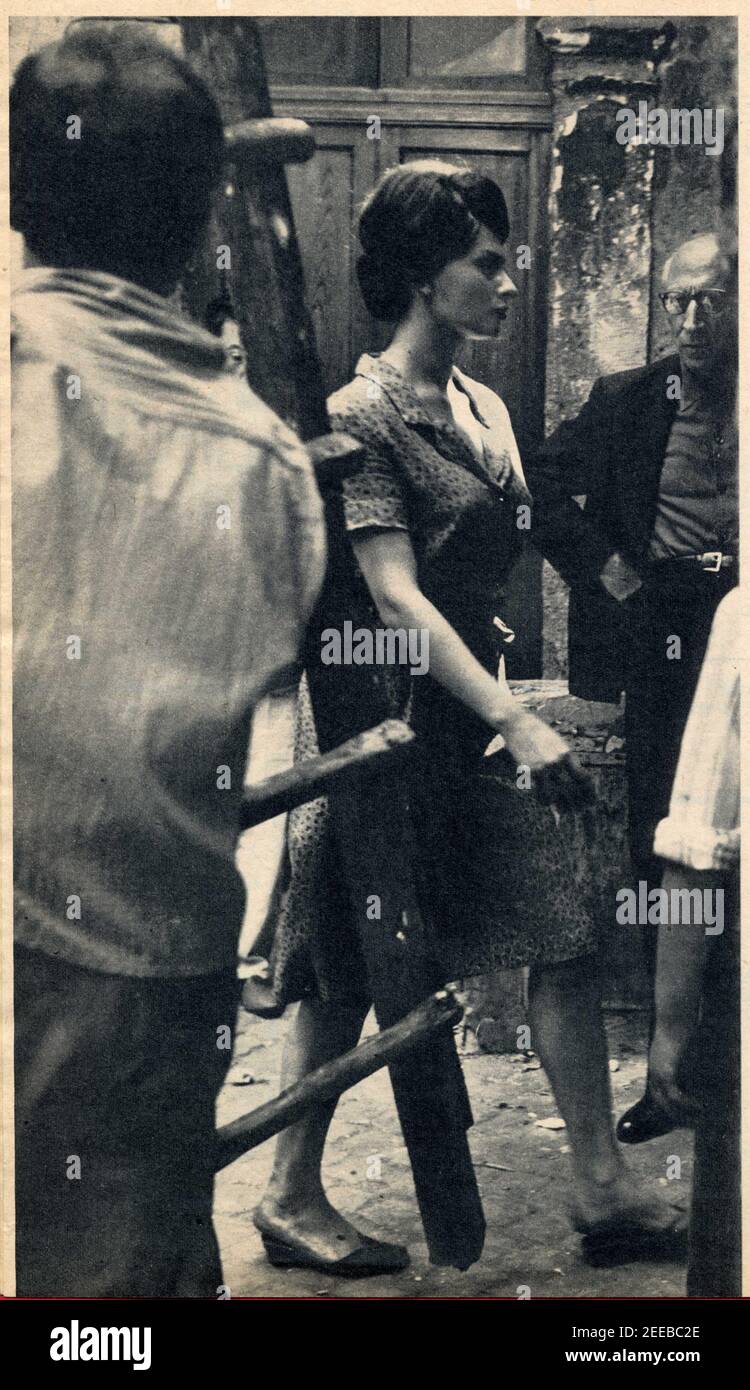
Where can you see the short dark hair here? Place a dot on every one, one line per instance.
(419, 217)
(132, 195)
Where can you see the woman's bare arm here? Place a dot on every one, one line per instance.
(388, 564)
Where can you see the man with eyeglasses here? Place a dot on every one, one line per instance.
(654, 548)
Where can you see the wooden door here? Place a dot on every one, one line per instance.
(326, 194)
(511, 364)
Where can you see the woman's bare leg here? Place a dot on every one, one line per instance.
(567, 1031)
(295, 1206)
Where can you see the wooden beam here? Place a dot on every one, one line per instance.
(439, 1012)
(375, 839)
(388, 742)
(270, 140)
(253, 216)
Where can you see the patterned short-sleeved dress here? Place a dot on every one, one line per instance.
(506, 887)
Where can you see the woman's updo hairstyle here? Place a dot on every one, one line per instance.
(418, 218)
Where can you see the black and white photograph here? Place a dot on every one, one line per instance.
(371, 774)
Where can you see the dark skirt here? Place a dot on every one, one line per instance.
(504, 881)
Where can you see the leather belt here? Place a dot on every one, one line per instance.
(711, 561)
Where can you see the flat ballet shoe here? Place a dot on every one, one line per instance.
(258, 998)
(371, 1257)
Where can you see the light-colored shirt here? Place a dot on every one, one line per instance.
(168, 547)
(702, 829)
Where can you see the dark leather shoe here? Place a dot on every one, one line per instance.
(258, 998)
(623, 1239)
(644, 1120)
(371, 1257)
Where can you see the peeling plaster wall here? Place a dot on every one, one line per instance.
(699, 71)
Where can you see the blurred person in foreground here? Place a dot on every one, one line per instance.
(697, 996)
(168, 548)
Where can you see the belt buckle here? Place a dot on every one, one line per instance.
(711, 561)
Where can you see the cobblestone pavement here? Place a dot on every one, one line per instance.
(522, 1169)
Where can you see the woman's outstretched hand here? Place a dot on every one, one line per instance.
(556, 776)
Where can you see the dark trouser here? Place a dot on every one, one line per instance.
(714, 1260)
(116, 1081)
(677, 600)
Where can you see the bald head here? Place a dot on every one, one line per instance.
(696, 256)
(704, 325)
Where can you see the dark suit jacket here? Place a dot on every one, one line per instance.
(613, 451)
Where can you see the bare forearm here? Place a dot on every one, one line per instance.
(389, 569)
(681, 956)
(450, 661)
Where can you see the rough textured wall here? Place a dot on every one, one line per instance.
(698, 71)
(600, 236)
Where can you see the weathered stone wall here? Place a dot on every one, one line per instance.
(699, 70)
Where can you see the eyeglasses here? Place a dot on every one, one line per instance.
(712, 302)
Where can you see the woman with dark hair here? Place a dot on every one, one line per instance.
(432, 519)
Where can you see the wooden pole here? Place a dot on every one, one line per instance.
(440, 1011)
(255, 220)
(375, 839)
(390, 741)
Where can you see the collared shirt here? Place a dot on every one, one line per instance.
(697, 508)
(168, 548)
(702, 829)
(436, 479)
(420, 473)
